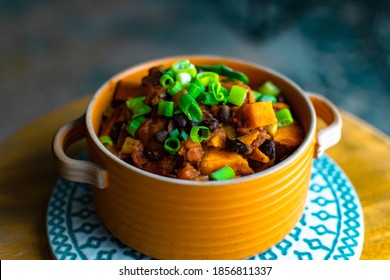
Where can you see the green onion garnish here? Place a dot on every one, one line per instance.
(172, 145)
(183, 78)
(190, 107)
(237, 95)
(183, 135)
(284, 117)
(257, 95)
(133, 126)
(141, 110)
(226, 71)
(135, 102)
(269, 88)
(177, 86)
(199, 133)
(166, 81)
(267, 97)
(224, 173)
(174, 133)
(225, 94)
(184, 66)
(165, 108)
(215, 89)
(207, 77)
(106, 140)
(208, 98)
(195, 88)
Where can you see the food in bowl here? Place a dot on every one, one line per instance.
(199, 122)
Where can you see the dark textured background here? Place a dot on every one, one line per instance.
(53, 52)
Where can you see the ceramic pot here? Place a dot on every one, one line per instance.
(169, 218)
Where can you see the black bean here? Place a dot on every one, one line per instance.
(171, 126)
(151, 155)
(180, 120)
(224, 114)
(238, 147)
(213, 125)
(268, 148)
(280, 98)
(190, 125)
(161, 135)
(115, 131)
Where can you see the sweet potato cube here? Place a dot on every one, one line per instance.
(215, 159)
(258, 114)
(259, 156)
(247, 139)
(287, 139)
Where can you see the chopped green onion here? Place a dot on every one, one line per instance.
(269, 88)
(141, 110)
(165, 108)
(207, 77)
(132, 104)
(174, 133)
(184, 78)
(183, 135)
(208, 98)
(106, 140)
(226, 71)
(190, 107)
(169, 72)
(225, 173)
(237, 95)
(184, 66)
(195, 88)
(199, 133)
(166, 81)
(180, 65)
(225, 94)
(215, 89)
(133, 126)
(268, 97)
(177, 86)
(284, 117)
(172, 145)
(230, 73)
(257, 95)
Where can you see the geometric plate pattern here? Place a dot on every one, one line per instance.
(331, 228)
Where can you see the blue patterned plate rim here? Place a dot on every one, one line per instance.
(331, 228)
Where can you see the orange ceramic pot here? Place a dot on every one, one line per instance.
(169, 218)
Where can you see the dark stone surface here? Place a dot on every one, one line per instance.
(55, 51)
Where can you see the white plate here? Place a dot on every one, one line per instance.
(332, 225)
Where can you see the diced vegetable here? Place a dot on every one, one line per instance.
(199, 133)
(172, 145)
(247, 139)
(224, 173)
(237, 95)
(106, 140)
(258, 114)
(269, 88)
(134, 125)
(259, 156)
(284, 117)
(190, 107)
(215, 159)
(130, 145)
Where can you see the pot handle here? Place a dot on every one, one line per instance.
(71, 169)
(330, 135)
